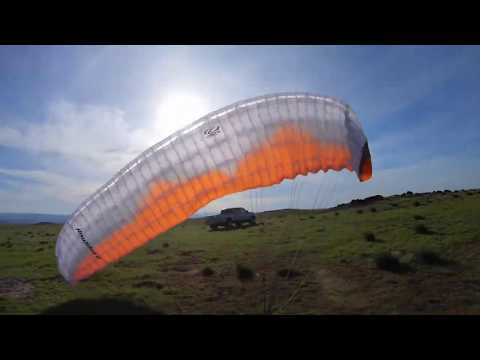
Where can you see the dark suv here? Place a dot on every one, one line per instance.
(228, 217)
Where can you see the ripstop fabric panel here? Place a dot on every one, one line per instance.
(255, 143)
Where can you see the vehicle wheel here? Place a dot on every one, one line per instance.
(228, 224)
(214, 227)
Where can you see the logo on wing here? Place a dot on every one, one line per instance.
(212, 131)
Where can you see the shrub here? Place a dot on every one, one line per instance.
(386, 261)
(429, 257)
(165, 245)
(419, 217)
(244, 273)
(373, 209)
(288, 273)
(422, 229)
(390, 263)
(369, 236)
(416, 204)
(336, 214)
(359, 211)
(207, 271)
(153, 251)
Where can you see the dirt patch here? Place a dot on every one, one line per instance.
(15, 288)
(189, 261)
(340, 293)
(185, 253)
(149, 284)
(181, 268)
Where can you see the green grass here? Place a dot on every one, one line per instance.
(334, 265)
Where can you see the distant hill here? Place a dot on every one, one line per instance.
(28, 218)
(31, 218)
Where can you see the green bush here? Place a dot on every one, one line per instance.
(429, 257)
(388, 262)
(419, 217)
(288, 273)
(422, 229)
(369, 236)
(244, 273)
(207, 271)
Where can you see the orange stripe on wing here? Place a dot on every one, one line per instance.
(163, 197)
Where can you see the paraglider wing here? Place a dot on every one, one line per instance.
(254, 143)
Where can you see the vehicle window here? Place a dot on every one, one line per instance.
(233, 211)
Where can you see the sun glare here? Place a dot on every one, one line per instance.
(177, 110)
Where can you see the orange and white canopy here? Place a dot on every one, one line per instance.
(254, 143)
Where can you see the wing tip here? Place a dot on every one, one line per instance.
(365, 168)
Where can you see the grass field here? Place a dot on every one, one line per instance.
(399, 255)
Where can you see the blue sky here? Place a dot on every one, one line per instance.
(71, 116)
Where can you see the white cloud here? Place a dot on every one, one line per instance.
(94, 141)
(51, 187)
(94, 134)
